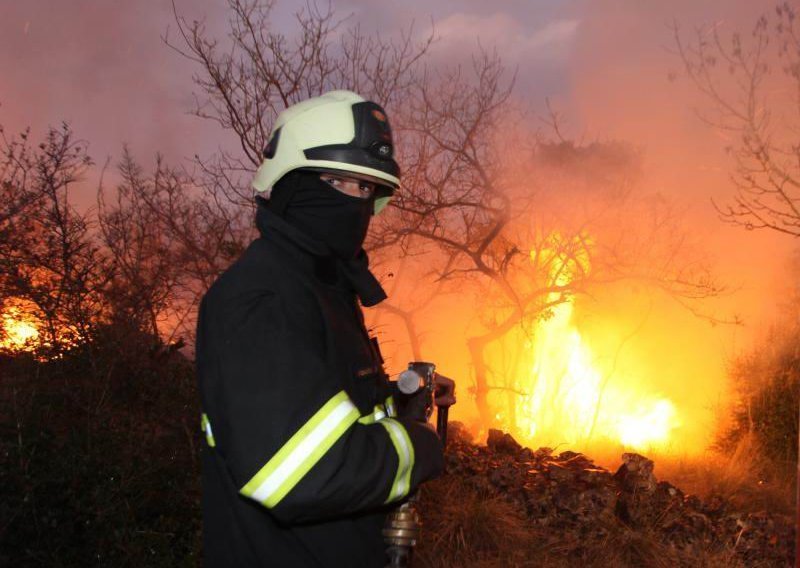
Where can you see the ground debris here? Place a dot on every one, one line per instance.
(569, 494)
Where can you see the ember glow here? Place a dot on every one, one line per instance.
(19, 328)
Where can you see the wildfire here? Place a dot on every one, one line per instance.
(19, 328)
(571, 396)
(571, 400)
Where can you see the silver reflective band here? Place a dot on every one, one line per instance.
(205, 426)
(405, 456)
(390, 410)
(303, 450)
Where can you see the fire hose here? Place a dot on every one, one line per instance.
(402, 528)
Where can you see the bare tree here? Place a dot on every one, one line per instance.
(245, 85)
(199, 234)
(471, 193)
(145, 269)
(48, 257)
(136, 265)
(753, 84)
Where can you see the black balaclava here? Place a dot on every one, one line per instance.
(320, 211)
(334, 219)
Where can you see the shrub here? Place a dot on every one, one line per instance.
(767, 383)
(99, 458)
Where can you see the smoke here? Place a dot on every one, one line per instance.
(611, 70)
(103, 68)
(627, 83)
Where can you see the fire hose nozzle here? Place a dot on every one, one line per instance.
(409, 381)
(402, 526)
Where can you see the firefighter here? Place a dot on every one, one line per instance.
(305, 450)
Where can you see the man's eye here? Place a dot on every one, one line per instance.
(333, 181)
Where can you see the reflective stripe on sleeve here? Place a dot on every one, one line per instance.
(405, 454)
(205, 426)
(390, 410)
(376, 414)
(303, 450)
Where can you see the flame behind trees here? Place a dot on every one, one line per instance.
(477, 193)
(68, 277)
(51, 271)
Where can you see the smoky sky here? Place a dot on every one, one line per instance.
(604, 64)
(103, 66)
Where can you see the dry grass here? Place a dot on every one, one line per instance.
(739, 479)
(464, 529)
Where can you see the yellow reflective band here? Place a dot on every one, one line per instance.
(205, 426)
(405, 456)
(390, 410)
(303, 450)
(377, 413)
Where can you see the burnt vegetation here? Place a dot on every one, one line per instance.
(505, 505)
(99, 418)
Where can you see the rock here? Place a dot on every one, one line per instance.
(567, 494)
(503, 442)
(636, 474)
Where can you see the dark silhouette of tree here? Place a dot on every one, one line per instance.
(145, 268)
(243, 86)
(48, 257)
(473, 191)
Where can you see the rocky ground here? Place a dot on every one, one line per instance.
(568, 494)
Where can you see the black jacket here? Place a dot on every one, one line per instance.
(303, 458)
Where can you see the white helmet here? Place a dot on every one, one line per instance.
(339, 131)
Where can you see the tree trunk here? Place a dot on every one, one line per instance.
(407, 317)
(477, 347)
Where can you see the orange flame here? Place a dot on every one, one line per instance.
(569, 397)
(20, 329)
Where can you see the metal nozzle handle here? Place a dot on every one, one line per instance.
(441, 423)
